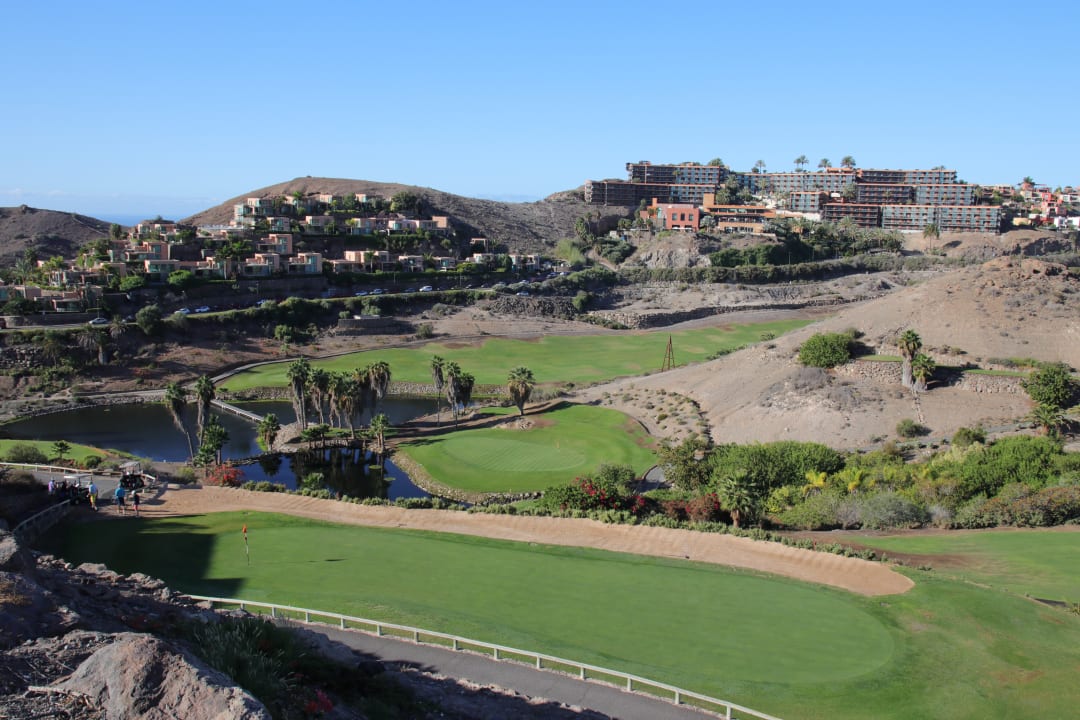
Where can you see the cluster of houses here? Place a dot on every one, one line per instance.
(155, 249)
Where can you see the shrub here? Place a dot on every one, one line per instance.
(908, 428)
(92, 461)
(704, 508)
(826, 350)
(425, 331)
(817, 512)
(1022, 506)
(27, 454)
(1051, 384)
(885, 510)
(1034, 461)
(225, 475)
(968, 436)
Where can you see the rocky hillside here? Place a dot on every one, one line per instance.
(49, 232)
(523, 227)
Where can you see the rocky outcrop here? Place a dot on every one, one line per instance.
(142, 676)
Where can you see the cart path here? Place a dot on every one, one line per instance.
(852, 574)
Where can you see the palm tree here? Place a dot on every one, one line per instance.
(347, 403)
(318, 384)
(204, 393)
(337, 388)
(361, 390)
(815, 482)
(437, 379)
(520, 385)
(379, 425)
(298, 373)
(451, 371)
(759, 166)
(175, 399)
(909, 345)
(737, 494)
(931, 232)
(1050, 418)
(824, 164)
(268, 429)
(847, 162)
(379, 377)
(922, 369)
(800, 162)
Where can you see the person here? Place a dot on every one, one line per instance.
(135, 502)
(52, 486)
(91, 493)
(119, 495)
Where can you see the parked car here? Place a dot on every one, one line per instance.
(523, 293)
(183, 311)
(202, 309)
(426, 288)
(377, 291)
(362, 293)
(99, 321)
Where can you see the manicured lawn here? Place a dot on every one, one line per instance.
(564, 442)
(78, 453)
(946, 649)
(579, 359)
(1040, 563)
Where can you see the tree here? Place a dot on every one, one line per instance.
(922, 369)
(759, 166)
(318, 385)
(1050, 418)
(61, 448)
(685, 465)
(716, 162)
(268, 429)
(909, 345)
(800, 163)
(815, 482)
(847, 162)
(824, 163)
(520, 384)
(175, 400)
(826, 350)
(212, 438)
(1051, 384)
(931, 232)
(377, 430)
(149, 319)
(741, 495)
(459, 387)
(437, 379)
(116, 232)
(404, 202)
(204, 394)
(298, 374)
(850, 192)
(379, 377)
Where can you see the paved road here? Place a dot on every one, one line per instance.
(605, 699)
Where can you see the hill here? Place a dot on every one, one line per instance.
(1009, 307)
(523, 227)
(49, 232)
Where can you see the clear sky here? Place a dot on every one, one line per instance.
(120, 109)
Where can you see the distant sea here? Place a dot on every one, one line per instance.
(129, 220)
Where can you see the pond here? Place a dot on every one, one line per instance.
(146, 430)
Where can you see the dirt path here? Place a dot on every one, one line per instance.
(859, 576)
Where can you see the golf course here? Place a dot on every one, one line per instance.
(553, 359)
(948, 648)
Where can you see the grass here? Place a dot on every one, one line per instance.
(879, 358)
(1040, 563)
(553, 359)
(565, 442)
(946, 649)
(78, 453)
(1000, 373)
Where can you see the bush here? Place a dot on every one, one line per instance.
(27, 454)
(886, 510)
(968, 436)
(1034, 461)
(1052, 385)
(92, 461)
(826, 350)
(1022, 506)
(817, 512)
(908, 428)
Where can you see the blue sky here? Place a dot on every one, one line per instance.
(120, 109)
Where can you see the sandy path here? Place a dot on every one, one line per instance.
(859, 576)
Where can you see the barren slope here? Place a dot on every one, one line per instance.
(49, 232)
(1008, 307)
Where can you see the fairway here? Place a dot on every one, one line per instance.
(945, 649)
(553, 359)
(567, 441)
(1042, 563)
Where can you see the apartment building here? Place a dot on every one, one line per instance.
(938, 176)
(948, 218)
(954, 194)
(807, 201)
(685, 173)
(678, 216)
(620, 192)
(884, 194)
(864, 215)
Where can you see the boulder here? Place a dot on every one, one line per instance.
(141, 676)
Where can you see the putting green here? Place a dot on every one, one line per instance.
(564, 442)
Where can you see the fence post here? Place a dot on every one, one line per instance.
(539, 663)
(496, 653)
(342, 623)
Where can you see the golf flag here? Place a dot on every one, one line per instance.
(247, 549)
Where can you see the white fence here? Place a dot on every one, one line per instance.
(151, 480)
(29, 528)
(632, 683)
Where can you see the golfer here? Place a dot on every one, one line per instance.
(119, 495)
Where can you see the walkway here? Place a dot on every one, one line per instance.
(524, 679)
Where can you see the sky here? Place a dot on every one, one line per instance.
(127, 110)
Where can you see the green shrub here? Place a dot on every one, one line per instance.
(908, 428)
(1034, 461)
(1051, 384)
(92, 461)
(887, 510)
(968, 436)
(27, 454)
(817, 512)
(774, 464)
(1022, 506)
(826, 350)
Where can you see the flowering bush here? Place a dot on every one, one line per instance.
(593, 493)
(224, 475)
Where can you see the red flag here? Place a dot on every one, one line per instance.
(244, 530)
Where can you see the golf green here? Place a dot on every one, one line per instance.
(564, 442)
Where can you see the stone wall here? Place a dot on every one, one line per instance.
(638, 321)
(891, 373)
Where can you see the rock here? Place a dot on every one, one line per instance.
(13, 557)
(28, 611)
(144, 677)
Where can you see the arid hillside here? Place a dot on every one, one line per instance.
(49, 232)
(1009, 307)
(521, 226)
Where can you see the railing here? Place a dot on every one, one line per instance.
(151, 480)
(27, 530)
(631, 683)
(246, 414)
